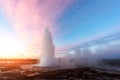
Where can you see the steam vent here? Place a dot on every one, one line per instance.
(47, 58)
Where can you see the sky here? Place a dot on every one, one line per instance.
(71, 22)
(88, 19)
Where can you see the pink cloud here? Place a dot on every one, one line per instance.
(29, 17)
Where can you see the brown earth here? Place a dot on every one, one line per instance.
(37, 73)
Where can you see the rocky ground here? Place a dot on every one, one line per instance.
(37, 73)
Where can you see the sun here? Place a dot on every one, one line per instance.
(10, 47)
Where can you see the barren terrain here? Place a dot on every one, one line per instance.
(37, 73)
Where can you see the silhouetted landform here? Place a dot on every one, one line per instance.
(111, 62)
(39, 73)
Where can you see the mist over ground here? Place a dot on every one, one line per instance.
(89, 56)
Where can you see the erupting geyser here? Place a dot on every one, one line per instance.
(47, 58)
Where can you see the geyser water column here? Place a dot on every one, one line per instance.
(47, 58)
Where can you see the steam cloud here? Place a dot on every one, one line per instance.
(88, 57)
(29, 17)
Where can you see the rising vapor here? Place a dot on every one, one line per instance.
(29, 17)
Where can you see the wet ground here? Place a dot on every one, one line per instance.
(37, 73)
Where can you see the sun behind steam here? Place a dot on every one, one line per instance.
(10, 48)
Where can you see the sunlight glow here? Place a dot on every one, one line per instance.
(10, 47)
